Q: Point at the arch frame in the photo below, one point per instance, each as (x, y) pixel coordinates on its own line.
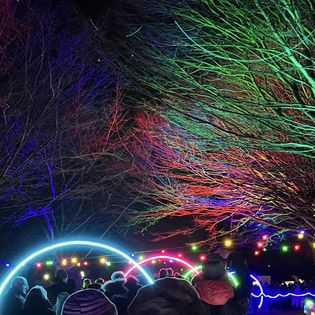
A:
(61, 244)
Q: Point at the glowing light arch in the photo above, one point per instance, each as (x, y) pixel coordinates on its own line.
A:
(46, 249)
(182, 261)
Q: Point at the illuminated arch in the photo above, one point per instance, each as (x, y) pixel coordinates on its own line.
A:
(189, 272)
(7, 279)
(182, 261)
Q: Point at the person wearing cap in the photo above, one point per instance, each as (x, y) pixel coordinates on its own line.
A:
(88, 302)
(213, 284)
(216, 290)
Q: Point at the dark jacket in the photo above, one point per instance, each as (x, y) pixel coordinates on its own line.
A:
(37, 306)
(167, 296)
(133, 288)
(12, 302)
(54, 290)
(115, 288)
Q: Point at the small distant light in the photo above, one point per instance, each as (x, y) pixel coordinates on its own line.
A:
(180, 255)
(313, 245)
(265, 237)
(141, 257)
(285, 248)
(82, 274)
(260, 244)
(85, 263)
(39, 265)
(257, 253)
(102, 260)
(79, 264)
(301, 235)
(264, 249)
(269, 266)
(297, 247)
(228, 243)
(46, 276)
(64, 262)
(129, 262)
(153, 261)
(171, 260)
(49, 263)
(163, 251)
(74, 260)
(108, 263)
(133, 255)
(202, 258)
(194, 248)
(7, 265)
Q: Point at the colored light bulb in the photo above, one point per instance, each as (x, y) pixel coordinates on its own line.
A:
(285, 248)
(297, 247)
(103, 260)
(46, 276)
(194, 248)
(228, 243)
(74, 260)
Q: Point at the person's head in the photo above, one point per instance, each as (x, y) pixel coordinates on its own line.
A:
(118, 276)
(132, 280)
(100, 281)
(37, 296)
(162, 273)
(71, 285)
(62, 274)
(20, 283)
(61, 298)
(170, 272)
(214, 267)
(86, 283)
(88, 302)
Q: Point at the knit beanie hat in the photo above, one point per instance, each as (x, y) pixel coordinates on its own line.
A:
(88, 302)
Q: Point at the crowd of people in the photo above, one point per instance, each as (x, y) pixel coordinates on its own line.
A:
(209, 293)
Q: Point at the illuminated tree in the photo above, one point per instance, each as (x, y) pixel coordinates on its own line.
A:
(238, 192)
(233, 85)
(248, 65)
(60, 119)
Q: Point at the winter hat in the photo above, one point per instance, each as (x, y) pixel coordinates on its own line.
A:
(88, 302)
(214, 267)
